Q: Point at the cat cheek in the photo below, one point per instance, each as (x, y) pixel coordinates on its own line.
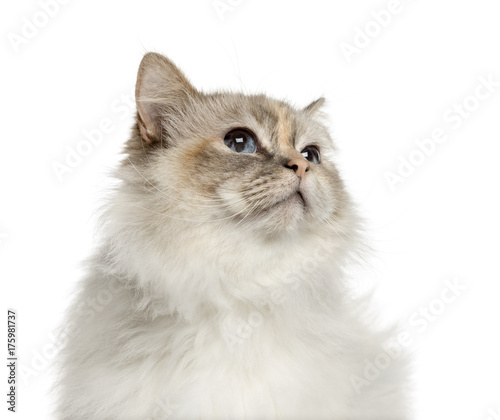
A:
(320, 196)
(232, 199)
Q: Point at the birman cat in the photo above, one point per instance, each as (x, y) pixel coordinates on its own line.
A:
(218, 289)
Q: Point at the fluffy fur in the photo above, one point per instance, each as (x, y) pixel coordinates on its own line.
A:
(218, 290)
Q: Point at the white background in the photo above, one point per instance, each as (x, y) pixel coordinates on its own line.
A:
(441, 223)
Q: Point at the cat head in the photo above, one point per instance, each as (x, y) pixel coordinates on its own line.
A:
(225, 197)
(244, 163)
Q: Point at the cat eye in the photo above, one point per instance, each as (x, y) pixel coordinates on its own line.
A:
(311, 153)
(240, 141)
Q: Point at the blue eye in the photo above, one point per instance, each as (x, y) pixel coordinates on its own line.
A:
(311, 153)
(240, 141)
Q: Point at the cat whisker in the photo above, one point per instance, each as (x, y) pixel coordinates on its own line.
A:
(250, 211)
(194, 220)
(175, 199)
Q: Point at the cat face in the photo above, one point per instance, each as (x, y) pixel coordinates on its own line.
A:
(236, 161)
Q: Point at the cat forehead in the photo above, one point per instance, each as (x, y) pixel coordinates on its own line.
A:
(275, 123)
(278, 120)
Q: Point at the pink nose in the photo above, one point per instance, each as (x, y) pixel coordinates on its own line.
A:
(299, 165)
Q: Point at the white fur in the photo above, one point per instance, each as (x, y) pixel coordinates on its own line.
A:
(224, 304)
(192, 332)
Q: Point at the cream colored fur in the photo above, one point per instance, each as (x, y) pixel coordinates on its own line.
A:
(213, 294)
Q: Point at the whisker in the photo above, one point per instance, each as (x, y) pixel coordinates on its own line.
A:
(173, 198)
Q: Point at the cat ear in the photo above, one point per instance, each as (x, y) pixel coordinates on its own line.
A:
(161, 88)
(314, 106)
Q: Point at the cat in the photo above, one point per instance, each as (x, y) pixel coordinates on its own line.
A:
(218, 290)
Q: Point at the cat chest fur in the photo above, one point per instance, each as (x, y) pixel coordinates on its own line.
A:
(227, 368)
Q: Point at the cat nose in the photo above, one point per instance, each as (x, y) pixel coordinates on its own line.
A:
(299, 165)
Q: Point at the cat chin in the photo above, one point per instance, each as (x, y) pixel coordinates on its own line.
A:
(285, 217)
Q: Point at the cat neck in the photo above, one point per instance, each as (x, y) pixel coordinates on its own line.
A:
(194, 279)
